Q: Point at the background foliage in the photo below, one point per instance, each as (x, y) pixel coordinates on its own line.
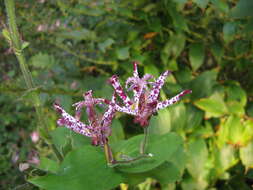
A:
(75, 45)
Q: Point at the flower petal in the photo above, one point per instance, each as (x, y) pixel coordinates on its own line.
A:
(157, 85)
(110, 112)
(114, 80)
(135, 72)
(72, 123)
(171, 101)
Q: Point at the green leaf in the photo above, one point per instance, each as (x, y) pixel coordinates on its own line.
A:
(201, 3)
(6, 35)
(180, 160)
(241, 47)
(229, 31)
(235, 131)
(235, 108)
(126, 12)
(86, 10)
(248, 132)
(202, 85)
(61, 135)
(236, 93)
(161, 146)
(165, 173)
(123, 53)
(67, 147)
(81, 170)
(106, 44)
(221, 5)
(218, 51)
(66, 101)
(236, 99)
(197, 155)
(250, 109)
(197, 55)
(43, 61)
(25, 45)
(178, 19)
(224, 158)
(48, 165)
(78, 35)
(151, 69)
(173, 47)
(183, 75)
(203, 131)
(160, 124)
(246, 155)
(242, 9)
(214, 106)
(178, 117)
(117, 132)
(194, 117)
(172, 65)
(248, 28)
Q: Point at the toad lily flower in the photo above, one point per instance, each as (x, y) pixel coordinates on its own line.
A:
(99, 125)
(145, 101)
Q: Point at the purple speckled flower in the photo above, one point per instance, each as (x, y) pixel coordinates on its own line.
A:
(99, 127)
(145, 101)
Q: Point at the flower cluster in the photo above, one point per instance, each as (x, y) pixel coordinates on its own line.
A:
(142, 106)
(98, 127)
(145, 101)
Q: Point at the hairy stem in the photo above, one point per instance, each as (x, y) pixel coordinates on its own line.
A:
(16, 45)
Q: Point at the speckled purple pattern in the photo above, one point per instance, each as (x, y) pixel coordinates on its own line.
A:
(146, 93)
(99, 127)
(72, 123)
(114, 80)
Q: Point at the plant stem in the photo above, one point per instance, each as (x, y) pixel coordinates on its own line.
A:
(16, 45)
(140, 157)
(112, 162)
(144, 142)
(108, 153)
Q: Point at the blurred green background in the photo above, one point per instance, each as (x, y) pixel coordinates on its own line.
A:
(76, 45)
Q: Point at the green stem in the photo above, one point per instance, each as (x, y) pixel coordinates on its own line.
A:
(119, 162)
(108, 153)
(112, 162)
(16, 45)
(144, 142)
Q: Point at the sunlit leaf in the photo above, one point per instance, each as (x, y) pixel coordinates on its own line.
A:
(197, 155)
(214, 106)
(246, 155)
